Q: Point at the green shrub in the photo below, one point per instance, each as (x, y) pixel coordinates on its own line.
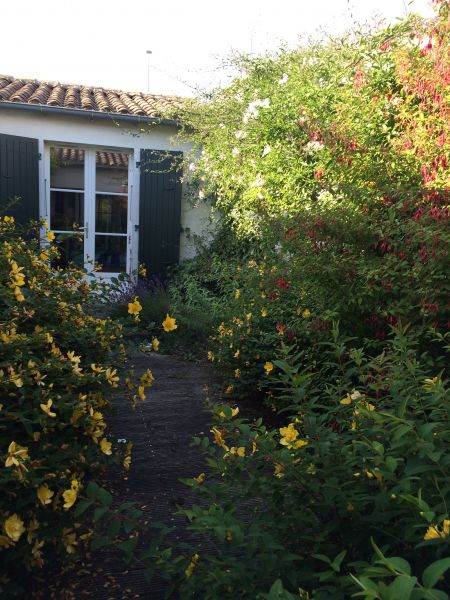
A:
(59, 371)
(351, 496)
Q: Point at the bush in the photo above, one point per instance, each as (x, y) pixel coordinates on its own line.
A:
(349, 497)
(58, 375)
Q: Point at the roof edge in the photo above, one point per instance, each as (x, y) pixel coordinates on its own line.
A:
(91, 115)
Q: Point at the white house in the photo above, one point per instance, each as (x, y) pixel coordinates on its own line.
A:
(103, 162)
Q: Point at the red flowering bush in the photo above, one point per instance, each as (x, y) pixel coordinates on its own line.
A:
(329, 165)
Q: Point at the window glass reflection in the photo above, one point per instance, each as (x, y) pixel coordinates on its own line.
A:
(67, 168)
(71, 248)
(111, 253)
(66, 210)
(111, 172)
(111, 214)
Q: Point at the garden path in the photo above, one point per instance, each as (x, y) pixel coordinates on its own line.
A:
(161, 429)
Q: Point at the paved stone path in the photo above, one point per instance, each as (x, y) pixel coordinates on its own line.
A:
(161, 429)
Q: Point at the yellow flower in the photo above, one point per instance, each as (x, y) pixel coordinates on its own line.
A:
(126, 462)
(16, 455)
(237, 353)
(46, 408)
(429, 384)
(306, 313)
(300, 444)
(311, 469)
(69, 537)
(71, 356)
(218, 438)
(45, 494)
(155, 344)
(50, 236)
(234, 412)
(135, 307)
(141, 392)
(432, 533)
(237, 293)
(229, 535)
(289, 434)
(97, 369)
(14, 527)
(200, 478)
(106, 446)
(8, 219)
(111, 377)
(279, 470)
(194, 560)
(446, 527)
(264, 312)
(147, 378)
(238, 451)
(169, 324)
(346, 400)
(237, 373)
(210, 356)
(18, 294)
(229, 390)
(268, 367)
(70, 497)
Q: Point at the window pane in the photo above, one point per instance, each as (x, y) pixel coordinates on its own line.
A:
(111, 214)
(111, 253)
(111, 172)
(66, 210)
(67, 168)
(71, 248)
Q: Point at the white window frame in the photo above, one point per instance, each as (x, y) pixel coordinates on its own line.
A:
(90, 200)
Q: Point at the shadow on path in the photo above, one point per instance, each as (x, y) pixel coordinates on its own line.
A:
(161, 429)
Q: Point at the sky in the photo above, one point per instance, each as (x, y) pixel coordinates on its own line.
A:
(105, 43)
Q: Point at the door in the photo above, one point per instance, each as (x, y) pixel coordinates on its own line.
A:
(89, 208)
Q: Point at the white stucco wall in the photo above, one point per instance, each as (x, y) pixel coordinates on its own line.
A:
(58, 128)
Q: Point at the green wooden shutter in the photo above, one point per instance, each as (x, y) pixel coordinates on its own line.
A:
(19, 177)
(159, 210)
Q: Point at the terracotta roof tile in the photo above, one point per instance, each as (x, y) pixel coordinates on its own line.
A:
(62, 95)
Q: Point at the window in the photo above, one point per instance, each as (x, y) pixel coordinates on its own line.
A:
(89, 207)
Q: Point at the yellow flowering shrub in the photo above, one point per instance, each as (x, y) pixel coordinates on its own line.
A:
(59, 370)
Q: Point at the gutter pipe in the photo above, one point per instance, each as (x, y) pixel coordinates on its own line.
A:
(91, 115)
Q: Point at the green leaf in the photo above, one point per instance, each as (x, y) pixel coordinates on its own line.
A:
(100, 512)
(402, 587)
(434, 571)
(100, 542)
(128, 546)
(81, 507)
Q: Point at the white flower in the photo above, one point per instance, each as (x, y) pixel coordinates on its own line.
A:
(314, 146)
(252, 110)
(259, 181)
(240, 134)
(278, 247)
(192, 167)
(284, 79)
(266, 150)
(235, 152)
(201, 195)
(287, 257)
